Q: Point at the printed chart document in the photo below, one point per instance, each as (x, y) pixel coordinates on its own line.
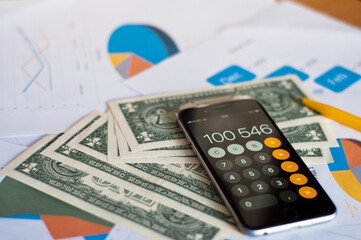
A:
(60, 60)
(327, 62)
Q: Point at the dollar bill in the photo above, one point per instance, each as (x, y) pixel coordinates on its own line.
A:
(113, 150)
(128, 175)
(315, 155)
(100, 141)
(150, 122)
(159, 155)
(94, 139)
(310, 135)
(139, 210)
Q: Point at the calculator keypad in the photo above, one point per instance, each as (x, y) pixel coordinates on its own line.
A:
(261, 174)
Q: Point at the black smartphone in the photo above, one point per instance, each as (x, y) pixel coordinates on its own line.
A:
(262, 180)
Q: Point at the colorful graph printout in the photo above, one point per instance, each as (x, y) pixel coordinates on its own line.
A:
(346, 168)
(135, 48)
(45, 217)
(61, 227)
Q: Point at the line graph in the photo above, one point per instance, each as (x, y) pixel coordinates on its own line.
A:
(36, 56)
(49, 74)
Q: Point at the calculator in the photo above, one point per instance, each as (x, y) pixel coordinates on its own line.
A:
(264, 183)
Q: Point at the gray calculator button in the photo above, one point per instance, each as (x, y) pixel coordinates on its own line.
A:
(251, 173)
(232, 177)
(288, 196)
(254, 145)
(243, 161)
(259, 186)
(257, 202)
(224, 164)
(235, 149)
(270, 170)
(279, 182)
(240, 190)
(262, 157)
(216, 152)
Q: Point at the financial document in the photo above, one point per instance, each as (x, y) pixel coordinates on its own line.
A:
(60, 60)
(325, 59)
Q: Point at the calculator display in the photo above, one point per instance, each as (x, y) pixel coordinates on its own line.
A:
(263, 181)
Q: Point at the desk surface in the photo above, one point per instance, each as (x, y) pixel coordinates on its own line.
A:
(348, 11)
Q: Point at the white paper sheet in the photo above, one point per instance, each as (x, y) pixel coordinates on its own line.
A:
(25, 141)
(8, 152)
(260, 51)
(26, 229)
(55, 55)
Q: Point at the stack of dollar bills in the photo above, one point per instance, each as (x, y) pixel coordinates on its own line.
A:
(133, 166)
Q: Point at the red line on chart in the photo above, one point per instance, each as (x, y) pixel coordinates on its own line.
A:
(35, 56)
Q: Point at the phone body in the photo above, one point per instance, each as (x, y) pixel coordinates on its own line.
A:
(262, 180)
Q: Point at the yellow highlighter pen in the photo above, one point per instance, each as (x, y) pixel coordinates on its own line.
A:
(333, 113)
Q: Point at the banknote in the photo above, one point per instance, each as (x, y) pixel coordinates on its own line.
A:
(315, 155)
(159, 155)
(113, 150)
(127, 175)
(310, 135)
(100, 141)
(93, 139)
(149, 122)
(139, 210)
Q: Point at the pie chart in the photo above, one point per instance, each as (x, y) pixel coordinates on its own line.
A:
(134, 48)
(346, 168)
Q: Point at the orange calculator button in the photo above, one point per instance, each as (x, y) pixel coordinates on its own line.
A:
(307, 192)
(272, 142)
(298, 179)
(289, 166)
(280, 154)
